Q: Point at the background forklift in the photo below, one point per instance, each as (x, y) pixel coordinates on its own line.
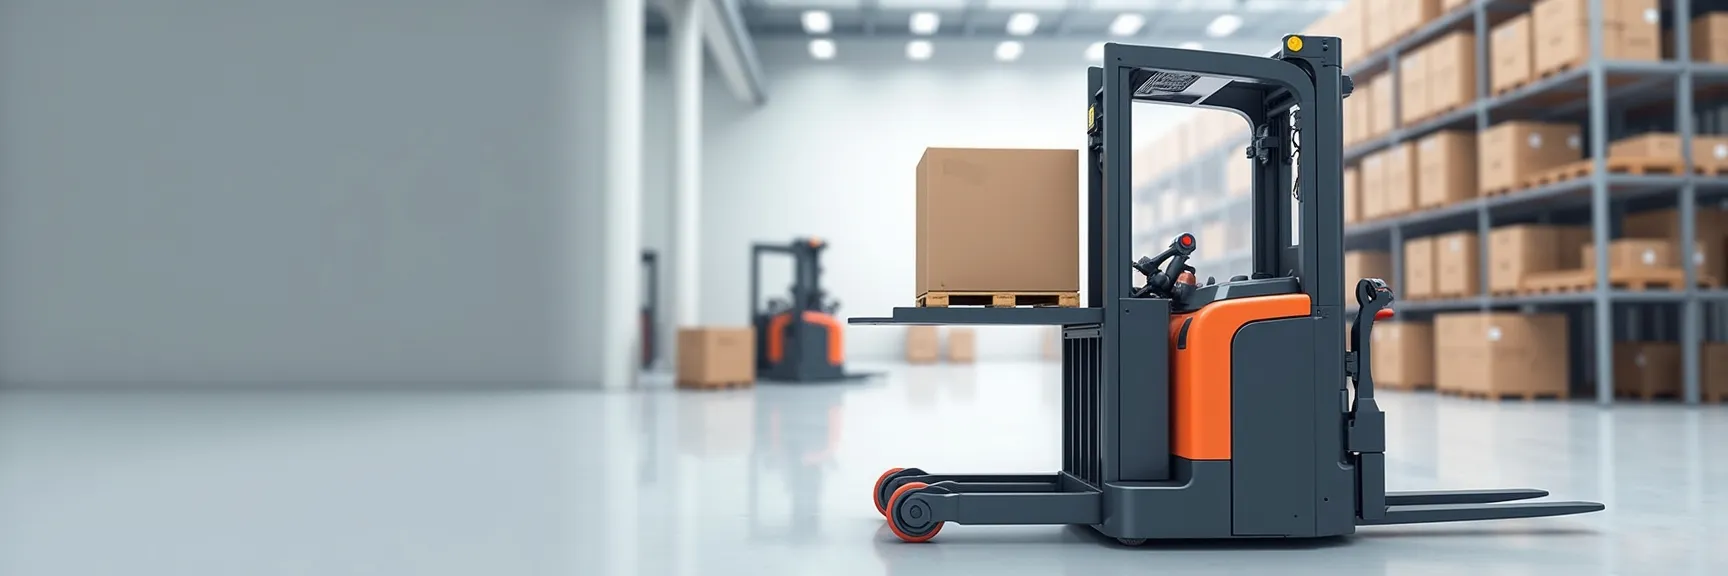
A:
(797, 339)
(1206, 410)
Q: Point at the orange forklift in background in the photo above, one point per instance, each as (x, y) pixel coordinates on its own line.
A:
(797, 340)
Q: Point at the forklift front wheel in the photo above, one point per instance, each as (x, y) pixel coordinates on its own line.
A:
(911, 520)
(885, 486)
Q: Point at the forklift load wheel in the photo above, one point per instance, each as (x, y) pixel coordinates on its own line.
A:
(910, 519)
(884, 490)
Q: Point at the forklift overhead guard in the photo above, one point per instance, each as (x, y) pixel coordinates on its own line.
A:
(1209, 411)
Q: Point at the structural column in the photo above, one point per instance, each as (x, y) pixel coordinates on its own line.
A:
(686, 63)
(620, 338)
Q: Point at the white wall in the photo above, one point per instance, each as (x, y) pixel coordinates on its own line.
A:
(833, 153)
(319, 191)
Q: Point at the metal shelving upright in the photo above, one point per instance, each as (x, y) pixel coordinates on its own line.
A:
(1608, 193)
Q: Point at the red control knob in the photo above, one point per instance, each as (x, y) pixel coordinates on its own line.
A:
(1383, 314)
(1187, 240)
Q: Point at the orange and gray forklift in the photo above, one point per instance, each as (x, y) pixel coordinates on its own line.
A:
(797, 339)
(1208, 410)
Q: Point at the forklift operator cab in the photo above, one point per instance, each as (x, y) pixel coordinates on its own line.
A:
(797, 339)
(1210, 410)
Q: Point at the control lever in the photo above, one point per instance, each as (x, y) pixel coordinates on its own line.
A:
(1367, 433)
(1165, 281)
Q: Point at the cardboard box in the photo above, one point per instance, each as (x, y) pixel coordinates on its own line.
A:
(1509, 153)
(1381, 119)
(1633, 254)
(1455, 265)
(1359, 264)
(962, 345)
(1710, 150)
(1418, 269)
(1413, 87)
(1657, 146)
(1403, 354)
(1647, 369)
(1710, 231)
(1518, 251)
(1400, 179)
(1502, 353)
(1450, 64)
(1358, 114)
(923, 345)
(1632, 30)
(1446, 6)
(1409, 15)
(1348, 26)
(1374, 33)
(1710, 38)
(1713, 371)
(1446, 168)
(1373, 186)
(998, 221)
(1352, 195)
(1510, 46)
(716, 356)
(1572, 239)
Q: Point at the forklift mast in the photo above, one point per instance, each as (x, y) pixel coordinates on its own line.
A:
(807, 293)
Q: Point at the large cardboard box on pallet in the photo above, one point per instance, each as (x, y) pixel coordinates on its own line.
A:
(1419, 268)
(1359, 114)
(1348, 25)
(1407, 16)
(1381, 120)
(1413, 86)
(1375, 33)
(1352, 195)
(1632, 30)
(962, 345)
(1450, 64)
(1359, 264)
(1509, 153)
(998, 221)
(1446, 168)
(1652, 146)
(1510, 46)
(1404, 354)
(1710, 151)
(1518, 251)
(1500, 353)
(1710, 38)
(1635, 254)
(1373, 186)
(1571, 239)
(1713, 371)
(1647, 369)
(712, 357)
(1400, 178)
(1447, 6)
(923, 345)
(1456, 270)
(1710, 230)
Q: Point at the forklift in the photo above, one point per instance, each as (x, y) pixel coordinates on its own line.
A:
(797, 339)
(1208, 410)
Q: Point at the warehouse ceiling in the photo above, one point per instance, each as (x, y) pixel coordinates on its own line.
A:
(1165, 22)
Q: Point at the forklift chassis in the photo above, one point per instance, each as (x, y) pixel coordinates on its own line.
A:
(1147, 453)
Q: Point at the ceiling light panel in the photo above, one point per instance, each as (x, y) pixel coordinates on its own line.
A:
(1224, 25)
(1128, 5)
(936, 5)
(813, 4)
(924, 23)
(1095, 52)
(1023, 24)
(1028, 5)
(1127, 24)
(817, 22)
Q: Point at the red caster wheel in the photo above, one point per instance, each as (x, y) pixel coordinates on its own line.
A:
(911, 520)
(885, 487)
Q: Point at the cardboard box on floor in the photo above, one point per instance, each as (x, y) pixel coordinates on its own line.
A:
(1510, 45)
(1501, 353)
(716, 356)
(962, 345)
(1450, 64)
(1631, 31)
(992, 220)
(1647, 369)
(1455, 265)
(1359, 264)
(1710, 229)
(1404, 354)
(923, 345)
(1518, 251)
(1418, 269)
(1510, 153)
(1446, 168)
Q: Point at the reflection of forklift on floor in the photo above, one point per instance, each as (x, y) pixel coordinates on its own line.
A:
(1204, 409)
(797, 340)
(798, 433)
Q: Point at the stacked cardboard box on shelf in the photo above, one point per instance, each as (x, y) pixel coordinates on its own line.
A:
(1352, 195)
(1381, 121)
(1511, 153)
(1710, 229)
(1456, 269)
(1419, 269)
(1647, 369)
(1517, 252)
(1446, 171)
(1509, 50)
(1499, 354)
(1398, 179)
(1710, 37)
(1713, 371)
(1373, 175)
(1359, 264)
(1406, 16)
(1413, 86)
(1632, 30)
(1403, 355)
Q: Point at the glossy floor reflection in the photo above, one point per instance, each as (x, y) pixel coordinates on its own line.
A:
(767, 481)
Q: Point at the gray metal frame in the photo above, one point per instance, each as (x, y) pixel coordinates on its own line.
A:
(1606, 195)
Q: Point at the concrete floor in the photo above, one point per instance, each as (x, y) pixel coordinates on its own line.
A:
(767, 481)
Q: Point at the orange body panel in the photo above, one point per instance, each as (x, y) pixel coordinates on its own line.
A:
(1200, 374)
(777, 336)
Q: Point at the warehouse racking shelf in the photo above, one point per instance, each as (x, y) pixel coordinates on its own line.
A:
(1584, 94)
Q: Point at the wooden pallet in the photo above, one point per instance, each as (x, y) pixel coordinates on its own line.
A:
(1713, 169)
(1500, 190)
(1646, 395)
(714, 385)
(1636, 279)
(1582, 168)
(999, 299)
(1402, 387)
(1576, 61)
(1514, 87)
(1509, 395)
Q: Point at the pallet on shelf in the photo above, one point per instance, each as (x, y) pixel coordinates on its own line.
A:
(1005, 299)
(1633, 166)
(1640, 279)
